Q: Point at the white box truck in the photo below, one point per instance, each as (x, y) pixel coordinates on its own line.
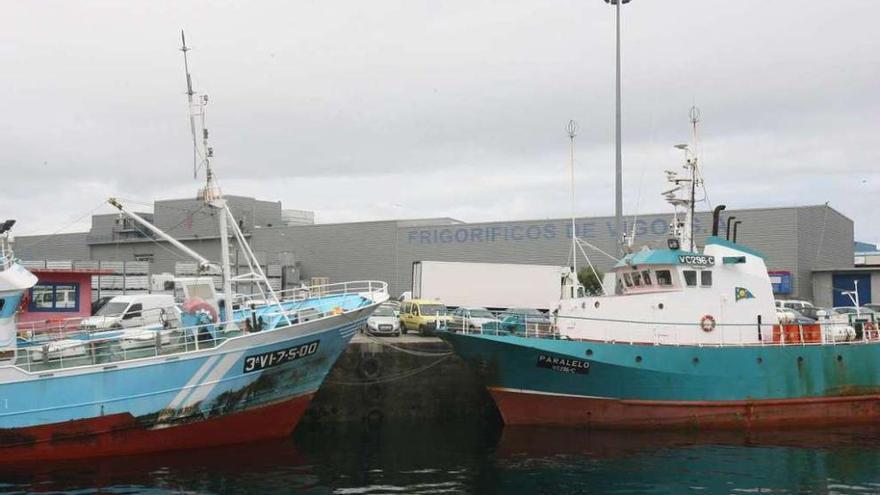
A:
(488, 285)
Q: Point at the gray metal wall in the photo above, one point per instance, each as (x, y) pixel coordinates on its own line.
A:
(53, 247)
(797, 239)
(821, 231)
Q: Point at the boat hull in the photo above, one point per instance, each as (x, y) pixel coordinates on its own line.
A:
(605, 385)
(252, 387)
(123, 434)
(535, 408)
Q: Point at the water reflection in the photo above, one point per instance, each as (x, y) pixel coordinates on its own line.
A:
(571, 461)
(479, 458)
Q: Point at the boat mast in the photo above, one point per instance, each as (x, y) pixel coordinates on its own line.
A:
(572, 129)
(684, 200)
(694, 115)
(211, 194)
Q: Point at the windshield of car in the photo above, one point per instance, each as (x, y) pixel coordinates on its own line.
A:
(480, 313)
(432, 309)
(384, 311)
(112, 309)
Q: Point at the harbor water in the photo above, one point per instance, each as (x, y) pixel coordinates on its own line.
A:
(476, 457)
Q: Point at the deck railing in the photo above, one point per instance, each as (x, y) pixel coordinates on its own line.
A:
(862, 328)
(46, 346)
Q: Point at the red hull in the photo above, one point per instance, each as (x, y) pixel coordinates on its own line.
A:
(520, 408)
(120, 434)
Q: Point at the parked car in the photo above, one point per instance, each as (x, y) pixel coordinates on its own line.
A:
(797, 304)
(131, 311)
(99, 303)
(471, 319)
(394, 305)
(813, 311)
(792, 316)
(423, 315)
(383, 321)
(851, 310)
(529, 315)
(522, 321)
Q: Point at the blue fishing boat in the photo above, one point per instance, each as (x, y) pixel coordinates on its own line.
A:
(681, 337)
(220, 368)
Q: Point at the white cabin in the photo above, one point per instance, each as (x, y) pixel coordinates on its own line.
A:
(671, 296)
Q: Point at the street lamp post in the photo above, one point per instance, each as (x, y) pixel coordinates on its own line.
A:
(618, 162)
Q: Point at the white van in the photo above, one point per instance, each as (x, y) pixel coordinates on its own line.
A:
(132, 311)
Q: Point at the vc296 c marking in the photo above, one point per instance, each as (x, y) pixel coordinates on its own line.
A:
(563, 365)
(265, 360)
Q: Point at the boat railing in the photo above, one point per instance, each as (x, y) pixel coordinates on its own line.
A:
(66, 344)
(862, 328)
(506, 323)
(370, 288)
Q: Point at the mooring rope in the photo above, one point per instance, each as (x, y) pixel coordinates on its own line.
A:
(404, 349)
(390, 378)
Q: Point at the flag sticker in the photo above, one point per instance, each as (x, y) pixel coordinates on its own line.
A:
(743, 293)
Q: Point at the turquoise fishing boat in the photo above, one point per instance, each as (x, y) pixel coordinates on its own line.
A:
(220, 368)
(682, 336)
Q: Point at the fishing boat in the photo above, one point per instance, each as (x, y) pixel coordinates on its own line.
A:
(683, 336)
(221, 368)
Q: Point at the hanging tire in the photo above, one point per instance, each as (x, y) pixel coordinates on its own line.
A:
(369, 368)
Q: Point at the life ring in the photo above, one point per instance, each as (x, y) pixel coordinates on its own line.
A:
(707, 323)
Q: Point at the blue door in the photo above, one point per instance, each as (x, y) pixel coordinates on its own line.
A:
(843, 282)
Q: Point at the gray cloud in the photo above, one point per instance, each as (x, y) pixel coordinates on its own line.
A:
(364, 110)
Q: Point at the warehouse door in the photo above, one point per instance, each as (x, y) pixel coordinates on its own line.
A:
(843, 282)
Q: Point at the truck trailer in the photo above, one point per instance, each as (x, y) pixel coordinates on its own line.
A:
(495, 286)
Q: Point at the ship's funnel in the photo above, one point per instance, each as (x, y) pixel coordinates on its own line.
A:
(716, 217)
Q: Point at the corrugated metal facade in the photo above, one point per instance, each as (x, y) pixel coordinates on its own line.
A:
(796, 239)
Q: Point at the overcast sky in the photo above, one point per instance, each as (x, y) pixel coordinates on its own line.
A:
(365, 110)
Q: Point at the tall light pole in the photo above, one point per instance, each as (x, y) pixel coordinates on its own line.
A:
(618, 161)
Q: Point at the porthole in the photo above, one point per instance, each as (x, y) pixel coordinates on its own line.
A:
(839, 358)
(800, 359)
(638, 359)
(596, 305)
(583, 305)
(696, 360)
(589, 352)
(660, 306)
(760, 360)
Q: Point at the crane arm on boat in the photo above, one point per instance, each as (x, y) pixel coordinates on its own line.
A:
(204, 264)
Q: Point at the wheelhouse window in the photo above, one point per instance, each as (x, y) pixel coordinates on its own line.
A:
(664, 278)
(627, 280)
(706, 278)
(646, 277)
(690, 278)
(637, 279)
(54, 297)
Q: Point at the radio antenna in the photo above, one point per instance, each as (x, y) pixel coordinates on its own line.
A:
(572, 129)
(189, 96)
(198, 109)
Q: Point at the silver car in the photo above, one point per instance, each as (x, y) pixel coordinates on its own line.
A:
(384, 321)
(471, 319)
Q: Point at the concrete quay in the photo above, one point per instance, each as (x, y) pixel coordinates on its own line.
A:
(407, 378)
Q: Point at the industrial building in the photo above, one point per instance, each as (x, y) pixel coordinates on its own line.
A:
(800, 243)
